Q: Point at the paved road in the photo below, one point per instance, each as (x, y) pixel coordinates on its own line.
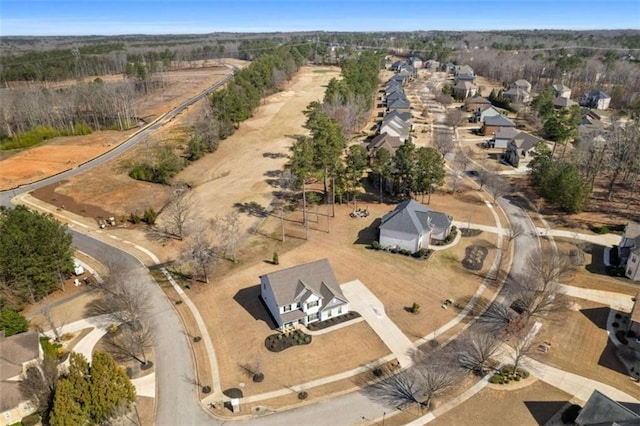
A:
(174, 361)
(175, 368)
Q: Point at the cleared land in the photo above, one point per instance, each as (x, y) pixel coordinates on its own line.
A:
(65, 153)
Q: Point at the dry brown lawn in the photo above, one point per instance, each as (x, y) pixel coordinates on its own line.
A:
(580, 345)
(531, 405)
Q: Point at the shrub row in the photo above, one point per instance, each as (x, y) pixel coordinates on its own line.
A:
(41, 133)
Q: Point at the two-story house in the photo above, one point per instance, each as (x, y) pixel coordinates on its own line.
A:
(303, 294)
(626, 255)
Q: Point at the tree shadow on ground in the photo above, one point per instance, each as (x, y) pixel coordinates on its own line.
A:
(598, 316)
(369, 234)
(274, 155)
(251, 208)
(249, 298)
(469, 197)
(542, 411)
(610, 360)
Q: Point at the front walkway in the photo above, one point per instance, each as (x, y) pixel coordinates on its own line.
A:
(371, 308)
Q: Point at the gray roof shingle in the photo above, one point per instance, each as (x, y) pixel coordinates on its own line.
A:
(411, 217)
(499, 120)
(298, 282)
(602, 410)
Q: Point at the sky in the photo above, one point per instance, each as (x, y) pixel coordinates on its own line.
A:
(111, 17)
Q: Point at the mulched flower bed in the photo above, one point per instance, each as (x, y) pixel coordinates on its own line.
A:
(279, 342)
(470, 232)
(321, 325)
(474, 257)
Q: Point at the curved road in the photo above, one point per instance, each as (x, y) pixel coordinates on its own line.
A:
(176, 393)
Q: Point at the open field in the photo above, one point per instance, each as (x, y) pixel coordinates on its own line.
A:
(531, 405)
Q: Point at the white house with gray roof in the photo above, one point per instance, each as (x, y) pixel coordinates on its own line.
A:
(303, 294)
(412, 225)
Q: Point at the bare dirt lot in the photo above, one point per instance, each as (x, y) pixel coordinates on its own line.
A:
(65, 153)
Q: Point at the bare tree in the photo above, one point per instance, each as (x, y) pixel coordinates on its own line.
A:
(437, 379)
(180, 212)
(131, 341)
(478, 350)
(444, 99)
(54, 323)
(399, 389)
(483, 176)
(201, 252)
(455, 117)
(443, 142)
(228, 230)
(463, 159)
(39, 383)
(521, 345)
(497, 316)
(498, 186)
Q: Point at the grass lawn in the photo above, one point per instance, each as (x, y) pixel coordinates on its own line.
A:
(530, 405)
(580, 345)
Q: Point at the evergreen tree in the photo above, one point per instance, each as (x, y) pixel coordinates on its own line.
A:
(11, 322)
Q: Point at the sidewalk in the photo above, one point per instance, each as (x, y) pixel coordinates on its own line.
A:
(617, 301)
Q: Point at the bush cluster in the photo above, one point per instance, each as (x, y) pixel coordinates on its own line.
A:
(41, 133)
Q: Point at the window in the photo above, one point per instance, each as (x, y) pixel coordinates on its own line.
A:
(312, 317)
(339, 310)
(633, 259)
(286, 308)
(313, 304)
(329, 313)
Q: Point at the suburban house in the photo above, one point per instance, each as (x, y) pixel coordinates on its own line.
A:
(402, 79)
(516, 95)
(303, 294)
(464, 89)
(386, 141)
(626, 255)
(394, 117)
(600, 410)
(464, 77)
(463, 69)
(494, 123)
(595, 99)
(448, 67)
(393, 96)
(519, 147)
(396, 127)
(401, 104)
(17, 353)
(412, 225)
(432, 64)
(404, 116)
(561, 91)
(415, 62)
(476, 103)
(489, 111)
(503, 137)
(522, 85)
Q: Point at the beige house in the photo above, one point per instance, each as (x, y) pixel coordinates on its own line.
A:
(17, 353)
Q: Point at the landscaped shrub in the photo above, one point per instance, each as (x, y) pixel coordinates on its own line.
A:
(415, 308)
(615, 325)
(302, 395)
(600, 229)
(631, 334)
(496, 379)
(276, 258)
(376, 245)
(618, 316)
(570, 415)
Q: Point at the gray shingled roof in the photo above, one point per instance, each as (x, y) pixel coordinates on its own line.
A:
(15, 351)
(598, 94)
(386, 141)
(400, 103)
(499, 120)
(298, 282)
(563, 102)
(525, 141)
(602, 410)
(411, 217)
(506, 133)
(404, 116)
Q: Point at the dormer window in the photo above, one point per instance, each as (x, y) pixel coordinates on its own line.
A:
(313, 304)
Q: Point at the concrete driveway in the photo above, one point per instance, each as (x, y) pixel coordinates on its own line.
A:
(371, 308)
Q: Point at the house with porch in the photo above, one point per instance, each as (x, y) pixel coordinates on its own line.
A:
(464, 89)
(17, 353)
(303, 294)
(412, 225)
